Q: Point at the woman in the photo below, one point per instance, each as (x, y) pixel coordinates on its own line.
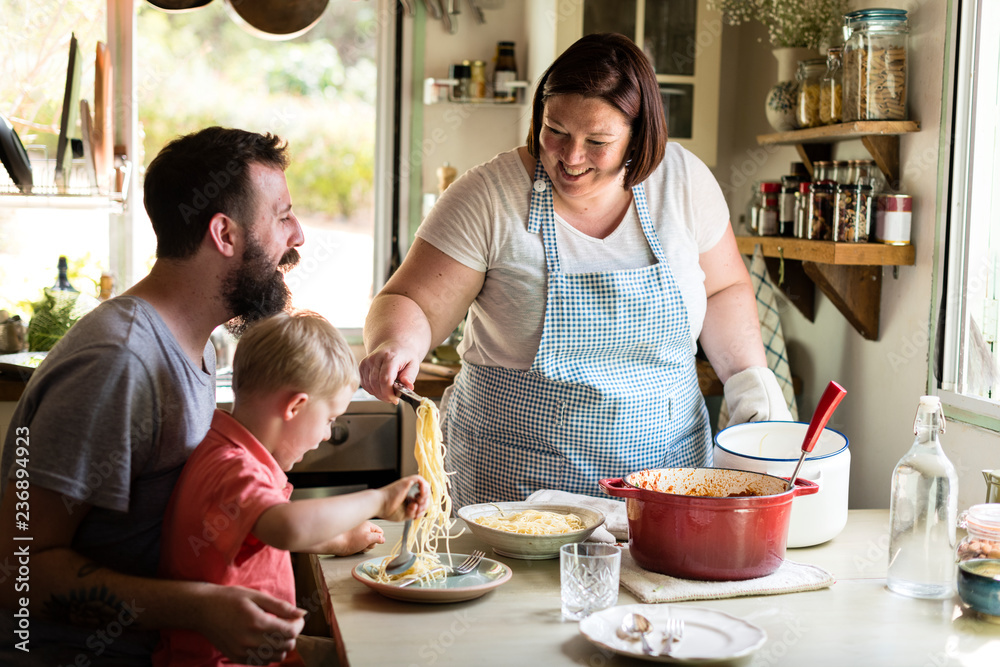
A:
(589, 262)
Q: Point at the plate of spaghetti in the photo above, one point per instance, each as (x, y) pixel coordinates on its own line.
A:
(532, 531)
(433, 586)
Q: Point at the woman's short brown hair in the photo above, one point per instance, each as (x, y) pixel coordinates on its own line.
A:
(610, 67)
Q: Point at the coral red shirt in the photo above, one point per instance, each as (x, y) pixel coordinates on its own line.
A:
(226, 485)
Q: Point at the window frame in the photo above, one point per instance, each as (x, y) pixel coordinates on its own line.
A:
(958, 237)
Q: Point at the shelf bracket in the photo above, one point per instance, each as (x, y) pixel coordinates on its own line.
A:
(884, 149)
(855, 290)
(811, 153)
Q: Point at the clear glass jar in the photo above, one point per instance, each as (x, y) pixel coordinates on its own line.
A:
(852, 221)
(840, 171)
(477, 81)
(821, 203)
(462, 76)
(822, 170)
(807, 106)
(767, 215)
(866, 172)
(786, 205)
(923, 512)
(982, 528)
(874, 65)
(831, 92)
(802, 211)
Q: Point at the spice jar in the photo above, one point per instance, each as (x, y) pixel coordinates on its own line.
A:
(830, 88)
(874, 65)
(802, 211)
(807, 107)
(786, 205)
(982, 527)
(477, 81)
(822, 170)
(892, 219)
(821, 202)
(853, 216)
(462, 76)
(767, 214)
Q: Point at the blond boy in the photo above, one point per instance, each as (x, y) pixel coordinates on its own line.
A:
(230, 520)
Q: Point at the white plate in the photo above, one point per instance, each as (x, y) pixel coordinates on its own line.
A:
(458, 588)
(709, 636)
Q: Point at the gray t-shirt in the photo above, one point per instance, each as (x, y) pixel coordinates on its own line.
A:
(112, 415)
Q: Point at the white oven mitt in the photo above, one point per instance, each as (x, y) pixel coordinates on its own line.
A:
(753, 395)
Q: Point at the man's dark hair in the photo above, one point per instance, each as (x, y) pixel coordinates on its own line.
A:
(200, 174)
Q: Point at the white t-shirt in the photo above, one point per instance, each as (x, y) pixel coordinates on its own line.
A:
(481, 221)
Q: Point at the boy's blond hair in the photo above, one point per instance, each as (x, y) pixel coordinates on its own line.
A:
(298, 350)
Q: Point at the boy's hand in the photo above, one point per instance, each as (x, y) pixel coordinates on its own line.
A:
(393, 506)
(358, 540)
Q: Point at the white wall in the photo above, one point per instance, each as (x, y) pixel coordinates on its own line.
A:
(884, 378)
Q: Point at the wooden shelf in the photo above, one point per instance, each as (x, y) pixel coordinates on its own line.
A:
(879, 137)
(849, 274)
(829, 252)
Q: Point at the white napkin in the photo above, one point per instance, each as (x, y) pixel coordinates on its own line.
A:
(615, 528)
(648, 586)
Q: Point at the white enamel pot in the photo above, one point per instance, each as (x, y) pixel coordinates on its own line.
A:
(774, 448)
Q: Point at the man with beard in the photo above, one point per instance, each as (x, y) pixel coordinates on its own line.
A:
(107, 421)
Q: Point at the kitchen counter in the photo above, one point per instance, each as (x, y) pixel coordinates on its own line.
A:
(856, 622)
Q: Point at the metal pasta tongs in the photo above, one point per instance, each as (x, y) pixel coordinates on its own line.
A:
(408, 395)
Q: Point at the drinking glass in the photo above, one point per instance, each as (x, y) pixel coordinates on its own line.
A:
(589, 576)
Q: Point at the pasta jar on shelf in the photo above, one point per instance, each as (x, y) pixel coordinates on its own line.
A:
(831, 88)
(875, 65)
(807, 107)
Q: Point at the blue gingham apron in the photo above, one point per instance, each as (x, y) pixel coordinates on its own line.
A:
(613, 387)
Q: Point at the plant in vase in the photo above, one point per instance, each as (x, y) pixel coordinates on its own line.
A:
(796, 29)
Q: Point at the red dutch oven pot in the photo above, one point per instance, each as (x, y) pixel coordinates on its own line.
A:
(693, 524)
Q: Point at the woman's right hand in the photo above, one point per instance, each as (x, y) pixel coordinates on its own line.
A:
(386, 364)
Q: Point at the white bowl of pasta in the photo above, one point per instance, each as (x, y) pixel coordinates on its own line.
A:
(532, 531)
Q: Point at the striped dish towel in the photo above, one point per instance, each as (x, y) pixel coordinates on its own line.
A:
(770, 332)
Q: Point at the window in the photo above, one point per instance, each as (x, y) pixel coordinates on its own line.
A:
(321, 91)
(970, 355)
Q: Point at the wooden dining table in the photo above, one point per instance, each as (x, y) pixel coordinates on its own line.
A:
(856, 622)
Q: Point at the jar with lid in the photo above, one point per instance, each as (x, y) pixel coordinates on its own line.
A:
(504, 73)
(477, 81)
(821, 203)
(767, 215)
(786, 205)
(852, 220)
(875, 65)
(822, 170)
(831, 88)
(802, 211)
(840, 171)
(462, 76)
(982, 532)
(807, 106)
(923, 512)
(866, 172)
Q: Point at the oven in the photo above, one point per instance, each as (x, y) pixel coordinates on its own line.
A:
(364, 450)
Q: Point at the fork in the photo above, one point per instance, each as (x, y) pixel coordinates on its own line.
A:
(465, 567)
(672, 634)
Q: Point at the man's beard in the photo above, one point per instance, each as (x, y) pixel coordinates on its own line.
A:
(256, 289)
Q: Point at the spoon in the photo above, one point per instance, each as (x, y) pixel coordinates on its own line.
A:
(636, 624)
(404, 561)
(831, 398)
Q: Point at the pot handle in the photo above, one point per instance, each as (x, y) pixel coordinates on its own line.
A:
(804, 487)
(615, 486)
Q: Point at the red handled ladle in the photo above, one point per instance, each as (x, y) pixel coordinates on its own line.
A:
(831, 398)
